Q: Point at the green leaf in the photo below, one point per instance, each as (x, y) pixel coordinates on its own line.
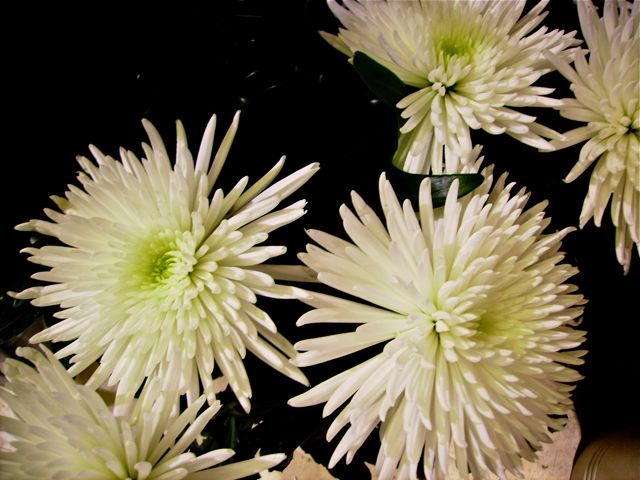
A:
(407, 185)
(380, 80)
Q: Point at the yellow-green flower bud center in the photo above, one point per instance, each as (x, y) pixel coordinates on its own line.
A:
(164, 266)
(450, 47)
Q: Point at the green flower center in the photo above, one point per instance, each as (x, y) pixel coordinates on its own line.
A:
(450, 47)
(164, 273)
(167, 260)
(165, 266)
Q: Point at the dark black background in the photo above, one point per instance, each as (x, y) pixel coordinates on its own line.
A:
(79, 75)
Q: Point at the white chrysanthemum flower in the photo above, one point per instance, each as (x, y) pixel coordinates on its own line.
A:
(63, 430)
(472, 63)
(155, 270)
(472, 304)
(607, 98)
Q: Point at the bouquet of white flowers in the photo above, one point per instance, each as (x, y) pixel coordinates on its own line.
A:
(422, 264)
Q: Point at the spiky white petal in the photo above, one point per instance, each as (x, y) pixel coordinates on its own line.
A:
(473, 64)
(155, 268)
(63, 430)
(471, 304)
(607, 99)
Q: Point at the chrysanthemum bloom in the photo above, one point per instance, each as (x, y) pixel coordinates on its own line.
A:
(59, 429)
(471, 62)
(471, 303)
(607, 98)
(155, 270)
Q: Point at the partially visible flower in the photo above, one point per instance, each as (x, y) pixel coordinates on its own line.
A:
(471, 62)
(155, 269)
(607, 98)
(63, 430)
(471, 304)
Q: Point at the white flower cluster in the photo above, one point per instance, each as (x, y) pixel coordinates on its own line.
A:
(471, 64)
(156, 272)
